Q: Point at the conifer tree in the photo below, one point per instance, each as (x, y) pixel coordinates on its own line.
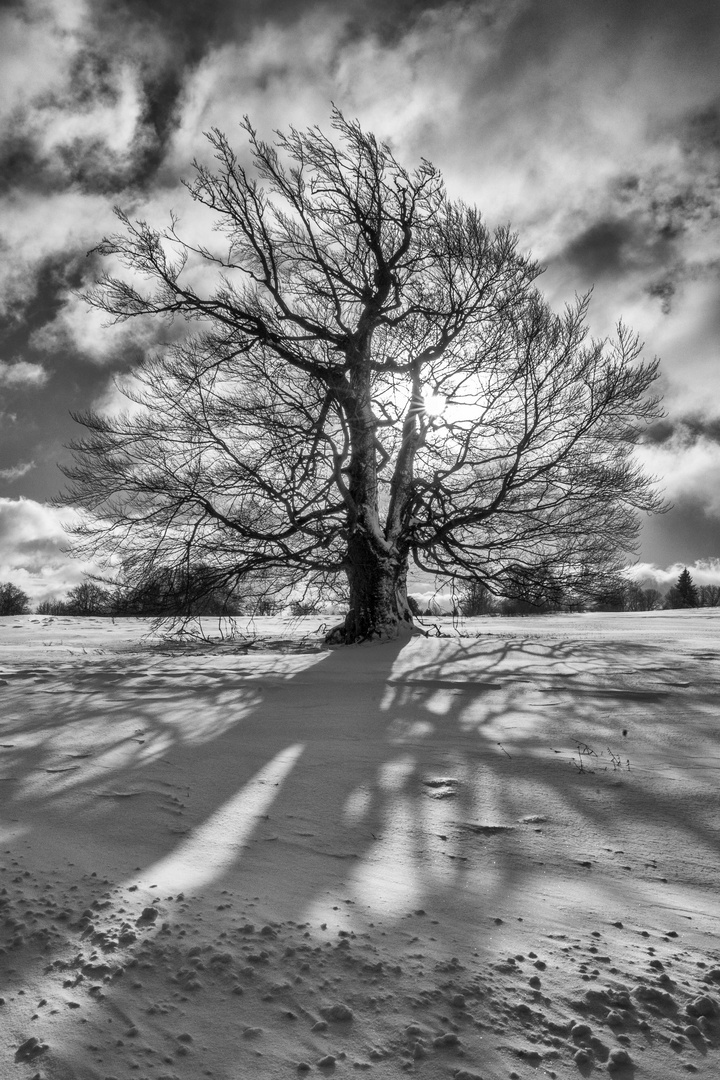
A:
(687, 590)
(684, 593)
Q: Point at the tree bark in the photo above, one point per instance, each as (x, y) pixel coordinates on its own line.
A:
(378, 607)
(376, 567)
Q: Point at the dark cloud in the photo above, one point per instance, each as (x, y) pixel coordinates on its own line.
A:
(615, 31)
(702, 131)
(684, 431)
(657, 225)
(55, 275)
(40, 308)
(83, 163)
(192, 28)
(686, 532)
(43, 426)
(659, 434)
(603, 248)
(686, 206)
(614, 246)
(20, 165)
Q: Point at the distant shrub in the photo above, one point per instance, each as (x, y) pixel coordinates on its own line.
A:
(299, 608)
(266, 605)
(52, 607)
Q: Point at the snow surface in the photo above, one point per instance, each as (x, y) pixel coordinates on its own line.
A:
(492, 854)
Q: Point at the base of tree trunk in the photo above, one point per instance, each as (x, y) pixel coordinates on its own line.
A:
(347, 633)
(386, 620)
(378, 603)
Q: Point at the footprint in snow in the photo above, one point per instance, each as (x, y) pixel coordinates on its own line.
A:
(441, 787)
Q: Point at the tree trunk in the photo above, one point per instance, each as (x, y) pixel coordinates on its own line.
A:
(376, 569)
(378, 594)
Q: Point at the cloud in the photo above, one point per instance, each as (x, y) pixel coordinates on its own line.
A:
(111, 400)
(702, 571)
(690, 470)
(88, 332)
(74, 130)
(33, 544)
(46, 234)
(41, 31)
(687, 342)
(442, 599)
(74, 110)
(93, 89)
(15, 472)
(683, 431)
(593, 129)
(578, 145)
(523, 107)
(22, 373)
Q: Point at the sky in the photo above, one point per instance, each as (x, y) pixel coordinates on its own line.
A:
(593, 128)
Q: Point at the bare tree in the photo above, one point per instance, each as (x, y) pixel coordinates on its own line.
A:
(709, 595)
(476, 599)
(639, 599)
(367, 378)
(13, 601)
(653, 599)
(88, 598)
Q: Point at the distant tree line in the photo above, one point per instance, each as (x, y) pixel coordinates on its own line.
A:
(172, 593)
(166, 593)
(620, 595)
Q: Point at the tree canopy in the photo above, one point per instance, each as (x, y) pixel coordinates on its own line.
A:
(361, 376)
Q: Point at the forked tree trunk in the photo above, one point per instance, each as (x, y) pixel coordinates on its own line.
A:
(378, 595)
(375, 568)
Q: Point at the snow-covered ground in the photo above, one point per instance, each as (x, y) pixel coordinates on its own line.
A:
(493, 854)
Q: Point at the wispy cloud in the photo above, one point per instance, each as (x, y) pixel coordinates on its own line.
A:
(15, 472)
(88, 333)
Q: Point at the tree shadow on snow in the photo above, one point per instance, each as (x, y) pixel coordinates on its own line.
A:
(434, 775)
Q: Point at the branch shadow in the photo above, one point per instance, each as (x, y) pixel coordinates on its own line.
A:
(367, 784)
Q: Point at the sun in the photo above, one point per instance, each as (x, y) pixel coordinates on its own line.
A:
(434, 404)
